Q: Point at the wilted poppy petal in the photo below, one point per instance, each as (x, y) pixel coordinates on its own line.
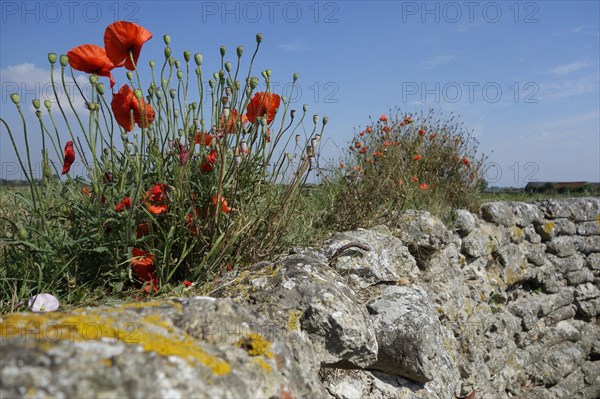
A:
(69, 157)
(122, 38)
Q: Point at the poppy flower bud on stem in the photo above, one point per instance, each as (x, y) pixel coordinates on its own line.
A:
(152, 64)
(325, 120)
(293, 113)
(100, 88)
(187, 55)
(268, 72)
(36, 103)
(179, 75)
(264, 74)
(138, 93)
(315, 119)
(244, 147)
(173, 93)
(198, 71)
(211, 83)
(296, 76)
(221, 74)
(167, 52)
(228, 66)
(176, 113)
(253, 82)
(177, 64)
(15, 98)
(52, 58)
(223, 50)
(237, 84)
(129, 75)
(194, 105)
(48, 104)
(305, 107)
(180, 133)
(259, 38)
(38, 113)
(198, 59)
(167, 39)
(240, 51)
(64, 60)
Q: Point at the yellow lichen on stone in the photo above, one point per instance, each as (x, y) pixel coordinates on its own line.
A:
(517, 233)
(256, 345)
(92, 327)
(262, 364)
(293, 322)
(548, 227)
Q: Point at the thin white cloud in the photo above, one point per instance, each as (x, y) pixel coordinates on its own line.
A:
(31, 82)
(297, 46)
(436, 61)
(560, 89)
(565, 69)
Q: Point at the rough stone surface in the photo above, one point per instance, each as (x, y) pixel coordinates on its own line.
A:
(505, 303)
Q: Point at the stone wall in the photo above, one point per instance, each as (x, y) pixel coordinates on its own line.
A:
(503, 304)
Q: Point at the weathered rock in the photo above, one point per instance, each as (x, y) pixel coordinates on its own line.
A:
(419, 230)
(531, 235)
(526, 214)
(499, 213)
(408, 334)
(588, 228)
(464, 223)
(563, 246)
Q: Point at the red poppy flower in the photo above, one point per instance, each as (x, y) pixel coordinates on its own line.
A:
(342, 165)
(187, 283)
(224, 205)
(358, 144)
(408, 120)
(421, 132)
(142, 230)
(414, 179)
(432, 136)
(369, 130)
(90, 58)
(151, 285)
(417, 157)
(125, 203)
(86, 191)
(69, 157)
(124, 102)
(387, 143)
(263, 104)
(211, 159)
(156, 198)
(142, 264)
(362, 133)
(466, 162)
(423, 186)
(363, 150)
(123, 41)
(207, 138)
(378, 154)
(383, 118)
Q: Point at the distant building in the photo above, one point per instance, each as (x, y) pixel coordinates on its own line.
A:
(572, 186)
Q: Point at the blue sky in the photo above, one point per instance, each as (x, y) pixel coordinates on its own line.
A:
(523, 75)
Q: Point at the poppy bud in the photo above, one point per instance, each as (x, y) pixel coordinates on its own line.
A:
(228, 66)
(296, 76)
(244, 147)
(138, 93)
(176, 113)
(129, 75)
(159, 94)
(15, 98)
(124, 137)
(262, 121)
(129, 147)
(52, 58)
(187, 55)
(173, 93)
(293, 113)
(238, 159)
(198, 71)
(48, 104)
(226, 113)
(221, 74)
(38, 113)
(284, 99)
(196, 122)
(237, 84)
(177, 64)
(253, 82)
(228, 91)
(268, 71)
(64, 60)
(100, 88)
(198, 59)
(179, 75)
(305, 107)
(315, 119)
(152, 64)
(259, 38)
(325, 120)
(240, 51)
(211, 83)
(194, 105)
(171, 61)
(180, 133)
(36, 103)
(167, 39)
(106, 151)
(264, 74)
(167, 52)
